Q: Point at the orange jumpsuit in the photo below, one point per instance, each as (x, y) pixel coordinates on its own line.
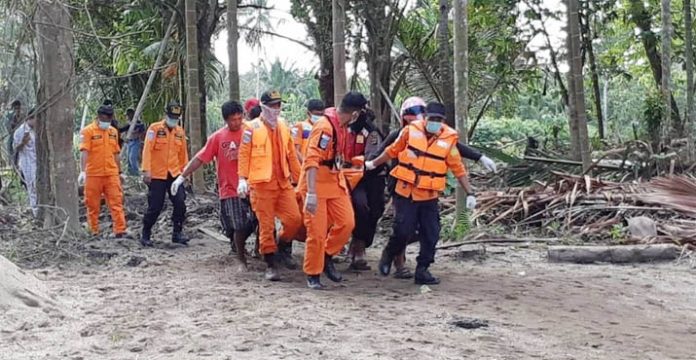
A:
(329, 229)
(268, 160)
(102, 170)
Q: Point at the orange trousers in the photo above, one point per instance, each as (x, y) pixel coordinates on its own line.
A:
(269, 205)
(327, 231)
(110, 187)
(301, 235)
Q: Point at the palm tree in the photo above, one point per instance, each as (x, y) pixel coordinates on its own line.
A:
(193, 118)
(577, 117)
(666, 71)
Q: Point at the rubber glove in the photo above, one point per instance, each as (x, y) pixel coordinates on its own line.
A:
(488, 163)
(175, 185)
(242, 188)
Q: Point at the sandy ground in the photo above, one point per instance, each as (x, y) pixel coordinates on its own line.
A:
(189, 303)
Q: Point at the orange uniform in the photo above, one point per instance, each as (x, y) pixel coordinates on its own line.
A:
(329, 229)
(421, 172)
(164, 151)
(300, 134)
(268, 160)
(102, 176)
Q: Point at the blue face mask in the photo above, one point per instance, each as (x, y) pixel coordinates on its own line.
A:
(315, 118)
(104, 124)
(433, 127)
(172, 122)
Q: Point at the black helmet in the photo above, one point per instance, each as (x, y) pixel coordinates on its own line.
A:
(174, 108)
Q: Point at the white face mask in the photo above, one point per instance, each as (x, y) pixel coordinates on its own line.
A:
(172, 122)
(104, 124)
(270, 115)
(314, 118)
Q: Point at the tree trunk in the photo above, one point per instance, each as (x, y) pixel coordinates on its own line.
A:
(689, 52)
(446, 77)
(587, 39)
(232, 38)
(339, 49)
(578, 117)
(151, 79)
(193, 92)
(379, 21)
(56, 113)
(666, 127)
(461, 81)
(643, 20)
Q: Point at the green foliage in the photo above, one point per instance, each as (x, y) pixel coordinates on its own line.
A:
(652, 117)
(462, 224)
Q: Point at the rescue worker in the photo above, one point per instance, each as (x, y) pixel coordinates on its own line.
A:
(363, 139)
(223, 147)
(134, 142)
(268, 168)
(24, 145)
(412, 109)
(164, 158)
(425, 151)
(328, 213)
(252, 109)
(99, 161)
(301, 130)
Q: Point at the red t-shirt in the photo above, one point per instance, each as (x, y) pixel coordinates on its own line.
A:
(223, 147)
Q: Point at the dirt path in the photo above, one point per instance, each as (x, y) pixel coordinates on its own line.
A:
(188, 303)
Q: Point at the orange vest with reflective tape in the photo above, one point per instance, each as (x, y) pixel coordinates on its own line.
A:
(301, 132)
(261, 154)
(422, 163)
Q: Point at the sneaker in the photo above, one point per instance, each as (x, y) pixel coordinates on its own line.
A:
(180, 238)
(314, 282)
(330, 270)
(424, 277)
(272, 274)
(145, 240)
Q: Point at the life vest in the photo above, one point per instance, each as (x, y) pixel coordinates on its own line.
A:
(422, 163)
(261, 164)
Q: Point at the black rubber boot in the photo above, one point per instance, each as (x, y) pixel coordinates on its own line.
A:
(314, 282)
(285, 255)
(145, 239)
(424, 277)
(271, 271)
(330, 270)
(180, 238)
(385, 263)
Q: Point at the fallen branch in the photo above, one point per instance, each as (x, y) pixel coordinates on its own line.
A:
(501, 240)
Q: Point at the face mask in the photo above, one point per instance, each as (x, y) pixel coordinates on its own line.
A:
(270, 115)
(104, 124)
(172, 122)
(433, 127)
(314, 118)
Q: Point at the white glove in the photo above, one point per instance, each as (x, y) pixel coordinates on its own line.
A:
(488, 163)
(311, 203)
(81, 178)
(242, 188)
(175, 185)
(369, 165)
(123, 177)
(471, 202)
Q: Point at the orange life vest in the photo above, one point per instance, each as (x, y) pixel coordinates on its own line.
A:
(423, 163)
(261, 163)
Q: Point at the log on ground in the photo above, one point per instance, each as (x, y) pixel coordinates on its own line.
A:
(614, 254)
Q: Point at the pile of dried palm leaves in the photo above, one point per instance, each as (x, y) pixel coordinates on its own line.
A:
(597, 209)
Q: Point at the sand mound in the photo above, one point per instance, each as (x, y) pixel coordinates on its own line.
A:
(24, 299)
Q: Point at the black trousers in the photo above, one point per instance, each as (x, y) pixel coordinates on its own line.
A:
(410, 217)
(158, 189)
(368, 205)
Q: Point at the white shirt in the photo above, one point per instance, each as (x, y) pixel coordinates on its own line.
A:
(27, 155)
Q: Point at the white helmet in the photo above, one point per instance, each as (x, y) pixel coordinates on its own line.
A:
(413, 101)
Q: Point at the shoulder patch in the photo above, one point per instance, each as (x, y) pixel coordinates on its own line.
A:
(246, 136)
(442, 143)
(294, 132)
(151, 134)
(324, 141)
